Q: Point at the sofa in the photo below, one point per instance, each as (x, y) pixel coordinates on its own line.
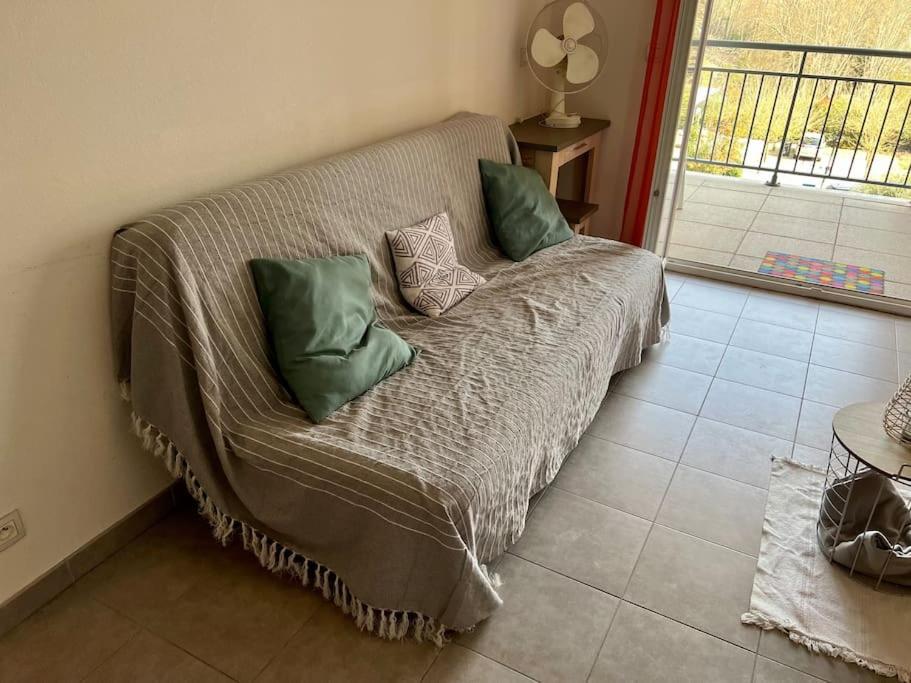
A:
(395, 506)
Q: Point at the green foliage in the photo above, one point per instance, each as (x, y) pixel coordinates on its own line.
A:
(738, 107)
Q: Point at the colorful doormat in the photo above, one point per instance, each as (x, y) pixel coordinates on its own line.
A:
(818, 271)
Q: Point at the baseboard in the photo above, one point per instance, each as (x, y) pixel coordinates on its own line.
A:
(56, 580)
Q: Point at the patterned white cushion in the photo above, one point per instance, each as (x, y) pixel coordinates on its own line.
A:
(430, 277)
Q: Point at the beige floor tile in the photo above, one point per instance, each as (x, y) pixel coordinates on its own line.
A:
(148, 658)
(748, 263)
(897, 268)
(898, 290)
(763, 370)
(617, 476)
(688, 353)
(896, 221)
(715, 299)
(549, 627)
(845, 322)
(810, 456)
(457, 664)
(903, 335)
(696, 582)
(329, 647)
(768, 671)
(714, 508)
(809, 229)
(641, 425)
(738, 184)
(902, 206)
(664, 385)
(642, 646)
(149, 577)
(239, 621)
(859, 358)
(752, 408)
(673, 282)
(63, 641)
(838, 388)
(733, 452)
(728, 197)
(802, 208)
(695, 322)
(758, 244)
(871, 239)
(725, 216)
(583, 540)
(781, 309)
(697, 255)
(706, 236)
(777, 647)
(721, 284)
(808, 194)
(774, 339)
(904, 366)
(815, 426)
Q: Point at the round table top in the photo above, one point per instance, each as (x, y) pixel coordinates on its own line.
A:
(859, 428)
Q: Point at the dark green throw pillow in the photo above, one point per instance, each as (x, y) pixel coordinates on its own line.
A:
(322, 325)
(524, 215)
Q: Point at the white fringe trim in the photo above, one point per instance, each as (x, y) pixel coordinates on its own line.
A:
(818, 646)
(385, 623)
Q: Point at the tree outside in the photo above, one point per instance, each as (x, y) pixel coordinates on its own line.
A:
(838, 125)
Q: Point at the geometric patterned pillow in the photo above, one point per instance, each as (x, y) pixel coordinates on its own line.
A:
(430, 278)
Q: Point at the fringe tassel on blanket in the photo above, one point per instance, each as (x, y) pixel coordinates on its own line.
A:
(754, 618)
(275, 557)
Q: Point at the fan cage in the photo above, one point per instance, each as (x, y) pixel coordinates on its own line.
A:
(551, 18)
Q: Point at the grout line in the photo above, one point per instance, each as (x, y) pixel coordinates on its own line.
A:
(610, 625)
(129, 640)
(163, 636)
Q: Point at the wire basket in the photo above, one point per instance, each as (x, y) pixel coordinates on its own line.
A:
(897, 418)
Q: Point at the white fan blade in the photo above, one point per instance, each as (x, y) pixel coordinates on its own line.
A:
(582, 65)
(546, 49)
(577, 21)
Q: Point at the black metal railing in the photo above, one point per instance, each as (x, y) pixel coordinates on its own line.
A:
(824, 125)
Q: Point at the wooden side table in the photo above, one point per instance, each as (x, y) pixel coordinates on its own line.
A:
(547, 149)
(577, 214)
(862, 458)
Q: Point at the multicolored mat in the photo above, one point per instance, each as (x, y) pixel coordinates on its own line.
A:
(818, 271)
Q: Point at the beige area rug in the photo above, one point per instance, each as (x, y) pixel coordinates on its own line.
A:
(818, 605)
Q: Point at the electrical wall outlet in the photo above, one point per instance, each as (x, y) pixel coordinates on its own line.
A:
(11, 529)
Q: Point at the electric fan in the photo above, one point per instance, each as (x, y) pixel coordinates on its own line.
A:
(566, 44)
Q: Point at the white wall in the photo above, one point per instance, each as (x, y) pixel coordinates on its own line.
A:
(615, 96)
(111, 109)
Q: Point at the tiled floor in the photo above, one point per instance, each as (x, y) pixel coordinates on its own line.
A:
(635, 566)
(734, 222)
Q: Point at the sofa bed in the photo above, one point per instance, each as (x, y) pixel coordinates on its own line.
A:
(393, 506)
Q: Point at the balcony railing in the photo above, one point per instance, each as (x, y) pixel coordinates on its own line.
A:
(825, 125)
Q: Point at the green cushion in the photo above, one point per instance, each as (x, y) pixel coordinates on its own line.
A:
(322, 326)
(524, 216)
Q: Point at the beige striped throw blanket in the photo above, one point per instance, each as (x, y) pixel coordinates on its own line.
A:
(395, 504)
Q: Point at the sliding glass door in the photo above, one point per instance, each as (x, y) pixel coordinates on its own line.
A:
(786, 165)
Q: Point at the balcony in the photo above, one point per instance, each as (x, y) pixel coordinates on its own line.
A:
(811, 146)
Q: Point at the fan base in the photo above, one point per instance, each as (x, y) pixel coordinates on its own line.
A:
(561, 120)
